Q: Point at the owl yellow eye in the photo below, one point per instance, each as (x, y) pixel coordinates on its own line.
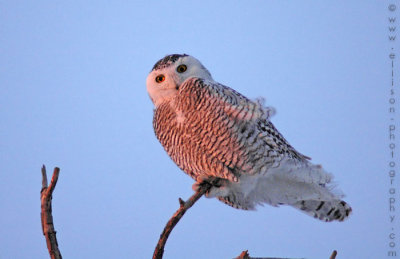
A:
(181, 68)
(160, 78)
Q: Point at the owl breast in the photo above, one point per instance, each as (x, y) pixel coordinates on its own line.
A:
(197, 137)
(204, 140)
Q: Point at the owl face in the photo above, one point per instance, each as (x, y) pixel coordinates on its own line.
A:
(170, 73)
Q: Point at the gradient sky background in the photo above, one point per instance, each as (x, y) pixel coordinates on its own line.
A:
(73, 95)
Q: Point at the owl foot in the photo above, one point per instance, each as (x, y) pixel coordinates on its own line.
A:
(218, 185)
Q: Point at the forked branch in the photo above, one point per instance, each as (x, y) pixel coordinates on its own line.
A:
(46, 213)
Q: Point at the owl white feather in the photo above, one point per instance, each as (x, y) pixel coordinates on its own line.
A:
(216, 134)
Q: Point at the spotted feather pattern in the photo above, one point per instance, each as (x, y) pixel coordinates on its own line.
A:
(167, 61)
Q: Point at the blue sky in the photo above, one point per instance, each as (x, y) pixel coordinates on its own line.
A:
(73, 95)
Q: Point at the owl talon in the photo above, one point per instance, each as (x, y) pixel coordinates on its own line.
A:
(218, 186)
(203, 180)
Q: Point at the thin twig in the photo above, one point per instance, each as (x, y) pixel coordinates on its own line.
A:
(244, 255)
(184, 206)
(46, 213)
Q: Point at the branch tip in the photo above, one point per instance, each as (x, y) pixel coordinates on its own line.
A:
(181, 202)
(54, 180)
(244, 255)
(44, 178)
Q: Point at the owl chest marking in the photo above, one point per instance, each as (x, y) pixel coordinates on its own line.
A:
(197, 140)
(180, 117)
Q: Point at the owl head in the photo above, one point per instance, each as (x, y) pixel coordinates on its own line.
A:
(169, 73)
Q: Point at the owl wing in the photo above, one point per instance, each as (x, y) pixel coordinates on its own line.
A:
(236, 131)
(241, 108)
(230, 137)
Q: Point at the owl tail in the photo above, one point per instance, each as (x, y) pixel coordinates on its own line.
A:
(325, 210)
(314, 193)
(309, 188)
(302, 185)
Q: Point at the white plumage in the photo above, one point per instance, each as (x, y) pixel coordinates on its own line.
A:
(214, 133)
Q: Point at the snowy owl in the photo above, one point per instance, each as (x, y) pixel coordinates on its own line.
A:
(215, 134)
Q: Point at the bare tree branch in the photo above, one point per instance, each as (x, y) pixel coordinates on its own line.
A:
(50, 233)
(245, 255)
(46, 213)
(184, 206)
